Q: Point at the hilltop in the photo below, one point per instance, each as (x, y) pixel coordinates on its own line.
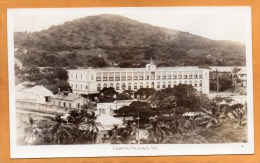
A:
(106, 40)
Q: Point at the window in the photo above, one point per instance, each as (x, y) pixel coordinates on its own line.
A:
(158, 75)
(195, 84)
(152, 85)
(169, 76)
(70, 105)
(78, 105)
(98, 87)
(111, 76)
(135, 85)
(200, 76)
(123, 86)
(59, 103)
(180, 82)
(185, 76)
(206, 74)
(195, 76)
(158, 85)
(190, 82)
(135, 75)
(81, 76)
(141, 85)
(185, 82)
(123, 75)
(174, 77)
(163, 75)
(201, 83)
(164, 85)
(86, 87)
(117, 86)
(152, 75)
(129, 75)
(98, 77)
(111, 85)
(105, 85)
(76, 86)
(76, 76)
(47, 98)
(147, 84)
(117, 75)
(104, 76)
(64, 104)
(174, 83)
(141, 76)
(147, 76)
(190, 76)
(92, 78)
(169, 84)
(81, 86)
(179, 76)
(129, 86)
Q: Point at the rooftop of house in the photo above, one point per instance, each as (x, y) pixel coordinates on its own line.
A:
(66, 96)
(30, 87)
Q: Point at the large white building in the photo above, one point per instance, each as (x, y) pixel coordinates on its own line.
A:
(86, 81)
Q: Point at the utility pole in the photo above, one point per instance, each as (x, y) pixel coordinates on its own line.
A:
(217, 81)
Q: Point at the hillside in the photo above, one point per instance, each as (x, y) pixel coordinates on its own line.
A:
(104, 40)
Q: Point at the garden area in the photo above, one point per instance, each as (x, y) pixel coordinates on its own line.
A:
(179, 115)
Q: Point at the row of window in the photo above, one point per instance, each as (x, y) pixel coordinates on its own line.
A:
(147, 85)
(123, 76)
(81, 77)
(147, 77)
(64, 104)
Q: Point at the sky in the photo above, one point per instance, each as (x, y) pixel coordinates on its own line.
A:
(217, 23)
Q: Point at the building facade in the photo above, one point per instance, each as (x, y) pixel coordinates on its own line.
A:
(86, 81)
(242, 74)
(67, 101)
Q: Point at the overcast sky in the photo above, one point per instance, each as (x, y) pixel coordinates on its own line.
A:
(216, 23)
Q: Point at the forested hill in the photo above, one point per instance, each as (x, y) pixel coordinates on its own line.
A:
(106, 40)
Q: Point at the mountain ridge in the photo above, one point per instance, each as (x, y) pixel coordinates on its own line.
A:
(113, 39)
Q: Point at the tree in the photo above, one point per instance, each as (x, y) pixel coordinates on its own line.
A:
(107, 94)
(124, 96)
(147, 92)
(164, 100)
(186, 96)
(124, 111)
(235, 77)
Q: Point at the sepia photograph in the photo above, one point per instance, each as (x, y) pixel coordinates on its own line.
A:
(136, 81)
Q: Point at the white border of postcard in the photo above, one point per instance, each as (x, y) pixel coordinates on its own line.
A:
(102, 150)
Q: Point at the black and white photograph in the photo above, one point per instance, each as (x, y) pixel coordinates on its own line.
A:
(135, 81)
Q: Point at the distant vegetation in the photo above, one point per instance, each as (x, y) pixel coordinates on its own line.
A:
(105, 40)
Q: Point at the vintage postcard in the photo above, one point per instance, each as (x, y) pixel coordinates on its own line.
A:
(150, 81)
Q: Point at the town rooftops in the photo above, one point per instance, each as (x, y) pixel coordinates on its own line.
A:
(66, 97)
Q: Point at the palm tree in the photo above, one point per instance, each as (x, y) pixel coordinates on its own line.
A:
(239, 116)
(235, 77)
(89, 126)
(33, 134)
(61, 132)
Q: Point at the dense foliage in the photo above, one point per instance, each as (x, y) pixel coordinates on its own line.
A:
(99, 41)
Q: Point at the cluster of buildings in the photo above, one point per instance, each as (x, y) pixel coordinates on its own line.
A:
(86, 81)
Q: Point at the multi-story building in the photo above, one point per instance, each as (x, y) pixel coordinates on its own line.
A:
(242, 74)
(86, 81)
